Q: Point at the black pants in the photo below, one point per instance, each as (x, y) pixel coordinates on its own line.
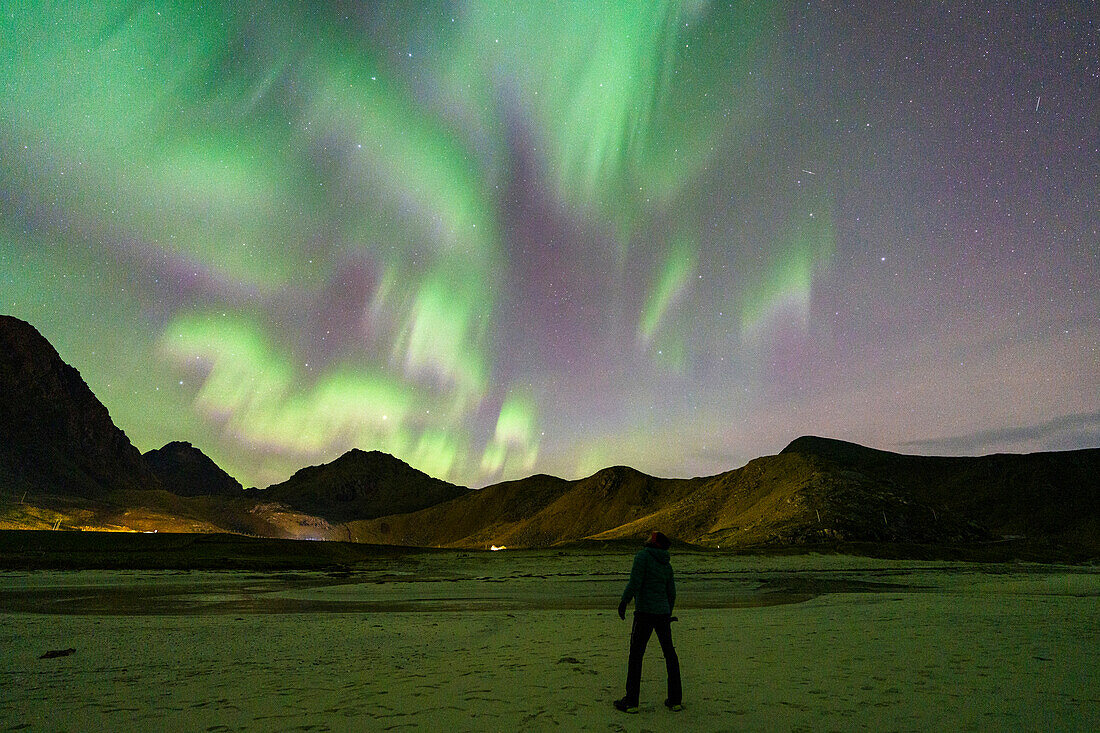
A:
(644, 625)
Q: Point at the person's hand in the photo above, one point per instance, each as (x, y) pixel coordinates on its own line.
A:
(622, 611)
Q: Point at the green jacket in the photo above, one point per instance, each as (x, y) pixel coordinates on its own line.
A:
(651, 583)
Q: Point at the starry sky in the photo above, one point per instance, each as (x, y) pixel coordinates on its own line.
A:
(504, 238)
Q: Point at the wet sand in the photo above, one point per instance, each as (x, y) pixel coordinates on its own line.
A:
(531, 641)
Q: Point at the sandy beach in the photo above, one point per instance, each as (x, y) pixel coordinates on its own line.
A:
(530, 641)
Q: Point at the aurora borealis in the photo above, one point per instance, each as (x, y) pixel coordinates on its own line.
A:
(495, 239)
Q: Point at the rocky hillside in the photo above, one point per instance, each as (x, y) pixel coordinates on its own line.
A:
(55, 436)
(816, 491)
(64, 464)
(185, 470)
(360, 485)
(1054, 495)
(532, 512)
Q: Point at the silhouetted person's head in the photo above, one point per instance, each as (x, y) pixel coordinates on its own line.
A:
(658, 539)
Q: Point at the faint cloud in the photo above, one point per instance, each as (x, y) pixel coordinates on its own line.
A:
(1068, 432)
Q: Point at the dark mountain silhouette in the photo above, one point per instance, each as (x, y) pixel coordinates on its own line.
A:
(1054, 494)
(59, 446)
(360, 485)
(532, 512)
(55, 436)
(816, 491)
(185, 470)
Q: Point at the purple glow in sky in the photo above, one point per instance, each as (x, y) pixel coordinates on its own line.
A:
(499, 239)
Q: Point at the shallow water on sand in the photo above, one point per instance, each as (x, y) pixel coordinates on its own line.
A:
(530, 640)
(456, 581)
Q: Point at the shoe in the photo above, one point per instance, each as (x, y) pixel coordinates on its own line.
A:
(626, 707)
(674, 706)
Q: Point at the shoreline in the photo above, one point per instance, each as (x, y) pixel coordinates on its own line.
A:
(71, 550)
(878, 644)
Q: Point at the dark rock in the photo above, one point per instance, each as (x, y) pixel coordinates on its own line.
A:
(816, 492)
(1054, 495)
(185, 470)
(360, 485)
(55, 436)
(54, 653)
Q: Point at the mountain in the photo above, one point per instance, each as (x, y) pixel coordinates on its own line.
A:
(63, 463)
(1055, 495)
(55, 436)
(815, 491)
(185, 470)
(360, 485)
(537, 511)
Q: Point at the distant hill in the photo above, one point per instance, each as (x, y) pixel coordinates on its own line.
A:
(55, 436)
(1053, 495)
(816, 491)
(64, 464)
(360, 485)
(537, 511)
(185, 470)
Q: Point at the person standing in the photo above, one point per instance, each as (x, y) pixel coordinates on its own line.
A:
(653, 590)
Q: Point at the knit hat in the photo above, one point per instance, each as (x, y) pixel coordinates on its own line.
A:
(658, 539)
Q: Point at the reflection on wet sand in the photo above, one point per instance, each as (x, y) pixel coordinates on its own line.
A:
(523, 640)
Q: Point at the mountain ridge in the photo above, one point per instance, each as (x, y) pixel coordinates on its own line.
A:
(59, 445)
(184, 470)
(55, 435)
(817, 490)
(1053, 493)
(360, 485)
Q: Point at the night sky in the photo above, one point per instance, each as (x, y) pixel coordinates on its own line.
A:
(497, 239)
